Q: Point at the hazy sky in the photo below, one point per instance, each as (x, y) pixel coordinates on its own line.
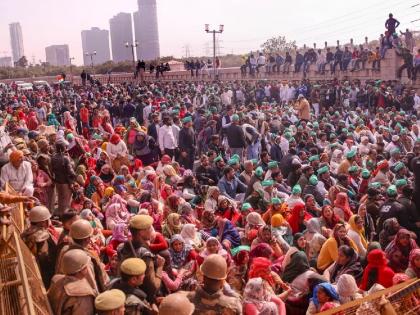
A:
(181, 22)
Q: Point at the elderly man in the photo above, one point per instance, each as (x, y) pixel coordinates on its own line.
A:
(18, 173)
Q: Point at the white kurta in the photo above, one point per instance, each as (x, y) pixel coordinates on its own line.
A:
(20, 179)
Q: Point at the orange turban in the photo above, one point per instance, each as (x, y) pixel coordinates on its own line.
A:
(15, 156)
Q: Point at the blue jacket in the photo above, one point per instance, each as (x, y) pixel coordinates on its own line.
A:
(230, 189)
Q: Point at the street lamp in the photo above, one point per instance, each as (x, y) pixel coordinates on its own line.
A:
(93, 53)
(71, 68)
(214, 32)
(132, 45)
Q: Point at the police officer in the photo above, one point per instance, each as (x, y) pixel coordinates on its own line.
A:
(41, 239)
(176, 303)
(141, 231)
(80, 233)
(132, 272)
(110, 302)
(71, 293)
(209, 298)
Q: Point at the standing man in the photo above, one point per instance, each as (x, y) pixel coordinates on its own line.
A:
(71, 293)
(187, 144)
(391, 24)
(236, 137)
(167, 139)
(63, 176)
(83, 75)
(303, 108)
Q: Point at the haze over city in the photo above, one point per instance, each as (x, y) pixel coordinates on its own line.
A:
(181, 23)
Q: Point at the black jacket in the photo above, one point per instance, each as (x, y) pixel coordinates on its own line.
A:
(235, 136)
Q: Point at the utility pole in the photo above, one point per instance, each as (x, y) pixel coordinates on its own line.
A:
(132, 45)
(71, 68)
(91, 58)
(214, 32)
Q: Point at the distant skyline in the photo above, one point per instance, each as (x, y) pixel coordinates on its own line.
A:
(181, 22)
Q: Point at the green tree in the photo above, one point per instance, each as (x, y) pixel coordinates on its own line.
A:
(22, 62)
(277, 44)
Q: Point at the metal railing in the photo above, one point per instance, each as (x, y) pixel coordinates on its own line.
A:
(404, 298)
(21, 287)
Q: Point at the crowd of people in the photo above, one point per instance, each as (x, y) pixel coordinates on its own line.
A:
(216, 197)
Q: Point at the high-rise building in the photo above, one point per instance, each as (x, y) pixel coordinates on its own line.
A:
(95, 40)
(121, 30)
(16, 41)
(146, 30)
(57, 55)
(6, 62)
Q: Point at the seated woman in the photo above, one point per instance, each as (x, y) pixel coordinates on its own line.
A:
(261, 267)
(172, 226)
(398, 251)
(299, 245)
(116, 212)
(221, 228)
(182, 255)
(119, 235)
(238, 271)
(226, 209)
(260, 299)
(328, 220)
(106, 174)
(281, 231)
(253, 224)
(212, 198)
(329, 250)
(192, 237)
(187, 215)
(314, 239)
(158, 244)
(368, 224)
(213, 247)
(296, 262)
(413, 269)
(389, 230)
(347, 263)
(298, 218)
(325, 297)
(342, 207)
(357, 234)
(376, 271)
(265, 237)
(347, 289)
(190, 187)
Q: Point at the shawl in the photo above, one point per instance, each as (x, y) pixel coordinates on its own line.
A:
(190, 235)
(91, 188)
(353, 268)
(169, 228)
(256, 293)
(377, 260)
(361, 232)
(415, 253)
(261, 267)
(329, 290)
(342, 201)
(178, 259)
(222, 252)
(395, 246)
(295, 218)
(298, 264)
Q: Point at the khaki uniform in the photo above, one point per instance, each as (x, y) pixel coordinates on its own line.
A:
(135, 303)
(153, 275)
(214, 304)
(44, 248)
(97, 276)
(69, 295)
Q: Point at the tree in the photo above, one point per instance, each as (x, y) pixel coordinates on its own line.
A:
(22, 62)
(277, 44)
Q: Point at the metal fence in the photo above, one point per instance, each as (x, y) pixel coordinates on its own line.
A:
(21, 287)
(404, 298)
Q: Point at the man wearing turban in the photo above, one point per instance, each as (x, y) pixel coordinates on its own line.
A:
(18, 173)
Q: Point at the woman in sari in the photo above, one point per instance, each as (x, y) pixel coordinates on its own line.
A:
(259, 299)
(328, 220)
(191, 236)
(325, 297)
(329, 250)
(172, 226)
(227, 210)
(389, 230)
(357, 234)
(213, 194)
(314, 239)
(254, 222)
(187, 215)
(181, 253)
(213, 247)
(261, 267)
(342, 207)
(398, 251)
(106, 174)
(413, 269)
(377, 271)
(238, 273)
(221, 228)
(298, 218)
(42, 184)
(368, 224)
(265, 236)
(348, 262)
(116, 212)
